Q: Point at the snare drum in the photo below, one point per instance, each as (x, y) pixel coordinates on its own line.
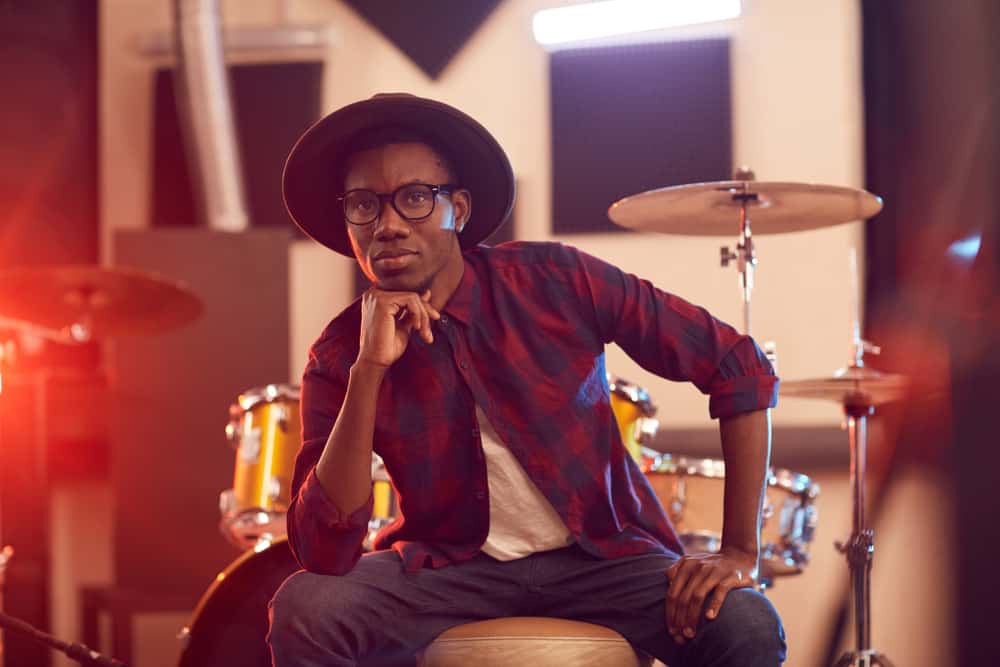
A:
(691, 491)
(634, 413)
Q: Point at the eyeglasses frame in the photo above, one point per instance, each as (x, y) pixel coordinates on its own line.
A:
(383, 197)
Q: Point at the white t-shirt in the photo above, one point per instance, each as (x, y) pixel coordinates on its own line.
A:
(522, 520)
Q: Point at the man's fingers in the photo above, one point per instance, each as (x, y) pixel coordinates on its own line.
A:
(426, 297)
(688, 600)
(420, 317)
(735, 580)
(682, 572)
(698, 589)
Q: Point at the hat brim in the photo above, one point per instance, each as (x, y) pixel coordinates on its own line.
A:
(308, 180)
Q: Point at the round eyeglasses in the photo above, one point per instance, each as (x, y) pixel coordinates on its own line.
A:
(413, 202)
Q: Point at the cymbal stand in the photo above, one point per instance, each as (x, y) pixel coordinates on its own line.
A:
(860, 548)
(745, 255)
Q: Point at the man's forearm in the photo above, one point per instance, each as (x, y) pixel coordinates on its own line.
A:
(344, 467)
(746, 447)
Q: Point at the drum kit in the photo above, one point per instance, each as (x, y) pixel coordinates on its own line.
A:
(79, 304)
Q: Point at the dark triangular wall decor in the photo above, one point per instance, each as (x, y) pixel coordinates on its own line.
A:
(430, 32)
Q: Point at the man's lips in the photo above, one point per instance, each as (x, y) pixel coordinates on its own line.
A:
(389, 254)
(394, 259)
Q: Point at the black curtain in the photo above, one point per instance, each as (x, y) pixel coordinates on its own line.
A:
(932, 122)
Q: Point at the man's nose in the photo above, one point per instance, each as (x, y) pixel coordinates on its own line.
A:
(390, 223)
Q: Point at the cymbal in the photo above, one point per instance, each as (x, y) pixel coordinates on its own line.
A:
(712, 209)
(850, 386)
(86, 302)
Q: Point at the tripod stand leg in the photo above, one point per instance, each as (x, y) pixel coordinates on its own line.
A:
(863, 659)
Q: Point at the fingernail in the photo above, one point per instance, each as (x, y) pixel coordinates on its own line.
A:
(689, 633)
(710, 613)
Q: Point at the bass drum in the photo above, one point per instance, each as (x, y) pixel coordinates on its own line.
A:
(229, 625)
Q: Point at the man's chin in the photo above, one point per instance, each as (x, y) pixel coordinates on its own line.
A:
(398, 282)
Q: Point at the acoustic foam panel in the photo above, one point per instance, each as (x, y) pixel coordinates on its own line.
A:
(631, 118)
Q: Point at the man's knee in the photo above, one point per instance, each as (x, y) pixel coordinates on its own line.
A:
(321, 609)
(748, 625)
(291, 608)
(307, 605)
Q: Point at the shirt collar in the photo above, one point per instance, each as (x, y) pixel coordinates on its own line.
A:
(464, 301)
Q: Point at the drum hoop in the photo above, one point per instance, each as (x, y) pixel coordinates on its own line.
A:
(632, 393)
(270, 393)
(716, 469)
(229, 569)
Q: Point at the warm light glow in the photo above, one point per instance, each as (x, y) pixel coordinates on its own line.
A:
(619, 17)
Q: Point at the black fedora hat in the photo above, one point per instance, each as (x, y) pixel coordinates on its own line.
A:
(309, 180)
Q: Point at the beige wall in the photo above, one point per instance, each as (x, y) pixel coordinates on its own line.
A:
(797, 116)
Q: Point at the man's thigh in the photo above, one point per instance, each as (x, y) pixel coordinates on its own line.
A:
(629, 595)
(378, 609)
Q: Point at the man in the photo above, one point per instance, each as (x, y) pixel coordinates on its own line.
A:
(478, 375)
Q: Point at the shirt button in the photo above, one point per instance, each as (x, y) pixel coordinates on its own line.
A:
(463, 365)
(443, 320)
(480, 495)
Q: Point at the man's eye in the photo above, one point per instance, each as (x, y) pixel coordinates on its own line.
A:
(416, 198)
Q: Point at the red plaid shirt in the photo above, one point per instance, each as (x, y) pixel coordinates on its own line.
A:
(523, 338)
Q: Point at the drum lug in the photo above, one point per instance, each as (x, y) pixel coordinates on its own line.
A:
(645, 430)
(809, 525)
(227, 501)
(678, 502)
(274, 487)
(281, 415)
(234, 429)
(184, 637)
(766, 511)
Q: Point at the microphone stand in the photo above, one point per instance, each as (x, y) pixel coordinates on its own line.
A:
(78, 652)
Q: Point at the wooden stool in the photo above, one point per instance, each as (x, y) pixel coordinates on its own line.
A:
(539, 642)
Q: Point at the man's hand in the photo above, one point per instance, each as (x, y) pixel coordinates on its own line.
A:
(387, 321)
(697, 578)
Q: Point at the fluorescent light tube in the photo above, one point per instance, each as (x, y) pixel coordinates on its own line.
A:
(619, 17)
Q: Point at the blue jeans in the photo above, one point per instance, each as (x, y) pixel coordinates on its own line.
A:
(379, 614)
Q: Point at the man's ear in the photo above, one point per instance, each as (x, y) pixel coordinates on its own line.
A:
(462, 202)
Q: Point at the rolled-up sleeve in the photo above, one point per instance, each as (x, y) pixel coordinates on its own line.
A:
(745, 382)
(324, 539)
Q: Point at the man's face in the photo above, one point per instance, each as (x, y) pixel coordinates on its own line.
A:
(399, 254)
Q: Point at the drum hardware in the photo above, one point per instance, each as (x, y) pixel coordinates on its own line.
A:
(80, 303)
(709, 209)
(634, 413)
(859, 390)
(689, 490)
